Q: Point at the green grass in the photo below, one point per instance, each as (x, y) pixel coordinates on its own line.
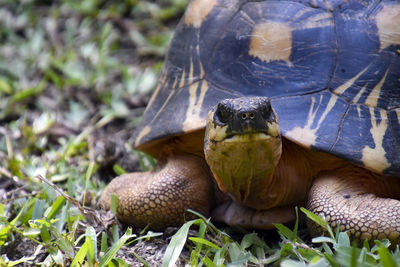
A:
(73, 76)
(212, 247)
(74, 80)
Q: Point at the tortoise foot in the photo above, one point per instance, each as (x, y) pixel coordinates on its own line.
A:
(161, 198)
(359, 202)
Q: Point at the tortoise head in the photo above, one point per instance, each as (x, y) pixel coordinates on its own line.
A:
(242, 146)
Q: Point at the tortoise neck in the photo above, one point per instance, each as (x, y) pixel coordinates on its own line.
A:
(295, 172)
(244, 166)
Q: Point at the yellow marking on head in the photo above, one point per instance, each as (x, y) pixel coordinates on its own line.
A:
(146, 130)
(247, 138)
(373, 97)
(217, 133)
(388, 22)
(347, 84)
(271, 41)
(193, 119)
(273, 129)
(307, 135)
(375, 158)
(197, 11)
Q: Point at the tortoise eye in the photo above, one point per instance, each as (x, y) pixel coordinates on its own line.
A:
(223, 113)
(267, 110)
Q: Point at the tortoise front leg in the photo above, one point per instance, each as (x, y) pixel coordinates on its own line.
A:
(161, 198)
(363, 203)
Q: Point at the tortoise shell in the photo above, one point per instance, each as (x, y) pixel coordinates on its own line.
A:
(330, 67)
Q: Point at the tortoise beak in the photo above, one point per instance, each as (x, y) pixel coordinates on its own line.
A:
(246, 115)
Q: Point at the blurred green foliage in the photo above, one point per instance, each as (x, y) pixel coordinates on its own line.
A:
(69, 70)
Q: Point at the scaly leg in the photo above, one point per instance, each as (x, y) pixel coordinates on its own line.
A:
(162, 197)
(364, 204)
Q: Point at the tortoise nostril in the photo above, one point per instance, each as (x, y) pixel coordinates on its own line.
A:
(248, 115)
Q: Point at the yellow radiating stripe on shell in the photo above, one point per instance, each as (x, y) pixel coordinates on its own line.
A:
(174, 84)
(173, 87)
(359, 110)
(307, 135)
(164, 105)
(373, 97)
(182, 81)
(201, 74)
(299, 14)
(201, 71)
(146, 130)
(190, 77)
(347, 84)
(329, 106)
(375, 158)
(397, 110)
(160, 84)
(197, 11)
(388, 23)
(318, 21)
(360, 93)
(193, 119)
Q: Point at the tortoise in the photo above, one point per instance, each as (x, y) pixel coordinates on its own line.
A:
(328, 69)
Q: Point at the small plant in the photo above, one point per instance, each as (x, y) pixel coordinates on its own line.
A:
(212, 247)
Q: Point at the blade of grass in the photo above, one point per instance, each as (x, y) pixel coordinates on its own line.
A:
(115, 247)
(204, 242)
(318, 220)
(176, 245)
(80, 255)
(386, 258)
